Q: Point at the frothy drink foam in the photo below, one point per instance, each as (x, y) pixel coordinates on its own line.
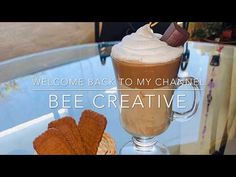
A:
(142, 55)
(144, 46)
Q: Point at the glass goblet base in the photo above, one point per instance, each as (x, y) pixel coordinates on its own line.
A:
(144, 146)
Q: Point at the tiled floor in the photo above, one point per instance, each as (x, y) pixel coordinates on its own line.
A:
(23, 38)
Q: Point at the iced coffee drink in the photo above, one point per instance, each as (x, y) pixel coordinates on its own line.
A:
(150, 65)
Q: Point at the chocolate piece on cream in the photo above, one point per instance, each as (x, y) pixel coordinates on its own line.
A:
(175, 36)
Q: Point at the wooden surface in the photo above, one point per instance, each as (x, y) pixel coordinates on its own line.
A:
(19, 39)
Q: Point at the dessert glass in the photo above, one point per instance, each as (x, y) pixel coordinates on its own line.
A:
(151, 118)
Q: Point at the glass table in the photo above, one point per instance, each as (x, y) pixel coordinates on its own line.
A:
(27, 84)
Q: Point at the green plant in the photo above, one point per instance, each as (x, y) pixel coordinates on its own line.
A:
(199, 33)
(213, 28)
(208, 29)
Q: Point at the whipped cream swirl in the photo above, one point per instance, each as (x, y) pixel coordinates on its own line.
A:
(146, 47)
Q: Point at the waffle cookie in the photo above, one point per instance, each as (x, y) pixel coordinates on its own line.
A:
(68, 127)
(52, 142)
(91, 128)
(65, 137)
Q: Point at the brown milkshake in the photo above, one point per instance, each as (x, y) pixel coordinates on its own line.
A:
(149, 63)
(154, 116)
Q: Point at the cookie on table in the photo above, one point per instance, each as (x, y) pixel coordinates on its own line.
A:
(52, 142)
(91, 128)
(68, 127)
